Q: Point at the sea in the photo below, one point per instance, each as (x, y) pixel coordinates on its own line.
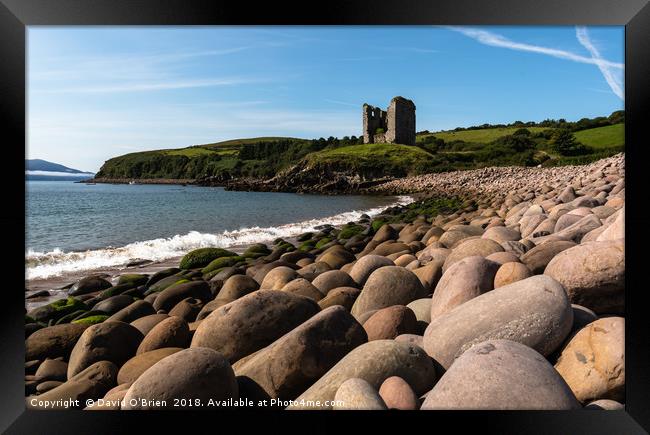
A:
(75, 227)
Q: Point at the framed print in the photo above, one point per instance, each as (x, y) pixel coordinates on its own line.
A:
(395, 213)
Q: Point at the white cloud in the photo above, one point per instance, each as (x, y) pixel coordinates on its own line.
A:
(496, 40)
(605, 69)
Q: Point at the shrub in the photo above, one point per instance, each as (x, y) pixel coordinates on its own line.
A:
(564, 143)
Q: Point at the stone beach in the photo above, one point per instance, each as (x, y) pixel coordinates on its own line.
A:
(499, 288)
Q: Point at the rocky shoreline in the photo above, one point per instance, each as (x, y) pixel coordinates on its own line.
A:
(501, 288)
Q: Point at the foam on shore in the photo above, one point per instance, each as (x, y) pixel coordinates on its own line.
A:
(40, 265)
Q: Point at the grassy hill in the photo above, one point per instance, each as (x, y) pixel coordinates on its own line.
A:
(226, 158)
(484, 135)
(374, 159)
(602, 137)
(265, 157)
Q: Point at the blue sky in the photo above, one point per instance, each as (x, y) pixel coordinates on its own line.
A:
(98, 92)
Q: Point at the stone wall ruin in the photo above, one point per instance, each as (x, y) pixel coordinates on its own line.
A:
(396, 125)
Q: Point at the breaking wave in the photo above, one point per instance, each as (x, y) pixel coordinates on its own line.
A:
(57, 262)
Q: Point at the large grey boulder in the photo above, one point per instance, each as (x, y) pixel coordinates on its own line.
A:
(252, 322)
(387, 286)
(192, 374)
(88, 384)
(373, 362)
(470, 248)
(289, 365)
(534, 311)
(366, 265)
(358, 394)
(593, 361)
(108, 341)
(499, 375)
(538, 258)
(464, 280)
(53, 341)
(593, 274)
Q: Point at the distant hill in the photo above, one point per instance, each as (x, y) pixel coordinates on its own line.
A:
(37, 169)
(288, 163)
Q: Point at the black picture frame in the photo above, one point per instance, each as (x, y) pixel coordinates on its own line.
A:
(15, 15)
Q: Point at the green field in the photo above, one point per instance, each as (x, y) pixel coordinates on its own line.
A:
(236, 143)
(189, 152)
(372, 151)
(375, 159)
(602, 137)
(484, 135)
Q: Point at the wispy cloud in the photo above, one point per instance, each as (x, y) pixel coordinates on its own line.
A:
(148, 86)
(120, 65)
(413, 49)
(611, 79)
(602, 91)
(359, 59)
(343, 103)
(496, 40)
(126, 72)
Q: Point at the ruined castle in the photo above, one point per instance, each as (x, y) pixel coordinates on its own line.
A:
(396, 125)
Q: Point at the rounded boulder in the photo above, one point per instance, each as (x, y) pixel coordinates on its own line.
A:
(358, 394)
(534, 311)
(398, 394)
(193, 374)
(292, 363)
(252, 322)
(471, 248)
(176, 293)
(237, 286)
(509, 273)
(366, 265)
(538, 258)
(501, 375)
(132, 312)
(463, 281)
(302, 287)
(373, 362)
(108, 341)
(344, 296)
(593, 274)
(332, 279)
(53, 341)
(386, 286)
(593, 362)
(390, 322)
(133, 368)
(171, 332)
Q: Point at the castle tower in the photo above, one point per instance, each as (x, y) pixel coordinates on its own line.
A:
(397, 125)
(401, 121)
(373, 118)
